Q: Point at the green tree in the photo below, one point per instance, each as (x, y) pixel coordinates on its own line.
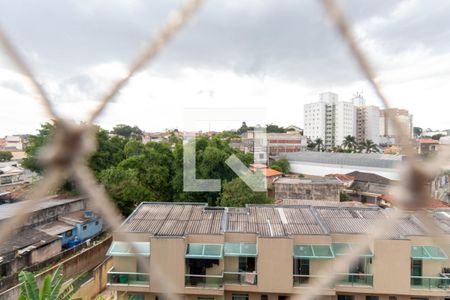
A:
(281, 165)
(368, 146)
(272, 128)
(236, 193)
(51, 289)
(124, 188)
(437, 137)
(5, 156)
(417, 131)
(310, 144)
(319, 145)
(109, 153)
(127, 131)
(349, 143)
(35, 146)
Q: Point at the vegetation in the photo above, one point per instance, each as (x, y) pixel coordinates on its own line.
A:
(349, 143)
(127, 131)
(368, 146)
(237, 193)
(133, 172)
(51, 289)
(417, 131)
(5, 156)
(270, 128)
(343, 197)
(281, 165)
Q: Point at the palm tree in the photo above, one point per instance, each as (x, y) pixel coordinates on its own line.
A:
(349, 143)
(52, 286)
(369, 146)
(311, 145)
(319, 144)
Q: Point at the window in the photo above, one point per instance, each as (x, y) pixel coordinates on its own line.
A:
(282, 297)
(392, 297)
(308, 194)
(69, 233)
(136, 297)
(247, 264)
(84, 227)
(371, 297)
(264, 297)
(239, 297)
(345, 297)
(159, 297)
(96, 223)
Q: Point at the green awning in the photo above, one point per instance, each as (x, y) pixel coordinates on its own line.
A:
(313, 251)
(204, 251)
(344, 248)
(240, 249)
(428, 253)
(124, 249)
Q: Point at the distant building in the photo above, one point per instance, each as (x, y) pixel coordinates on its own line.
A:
(387, 122)
(321, 189)
(323, 163)
(427, 146)
(263, 144)
(369, 182)
(270, 174)
(52, 225)
(13, 142)
(329, 119)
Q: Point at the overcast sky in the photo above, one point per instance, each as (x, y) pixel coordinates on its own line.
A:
(271, 56)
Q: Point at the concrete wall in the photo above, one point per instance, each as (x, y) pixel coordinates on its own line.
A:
(306, 191)
(274, 265)
(167, 262)
(97, 283)
(45, 252)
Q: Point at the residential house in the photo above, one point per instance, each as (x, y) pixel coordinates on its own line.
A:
(319, 189)
(270, 174)
(275, 252)
(427, 146)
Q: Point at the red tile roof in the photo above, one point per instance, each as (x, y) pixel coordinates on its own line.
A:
(431, 203)
(428, 141)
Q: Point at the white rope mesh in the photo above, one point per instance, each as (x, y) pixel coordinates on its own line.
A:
(72, 145)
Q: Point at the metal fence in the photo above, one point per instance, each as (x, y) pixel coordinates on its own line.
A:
(72, 144)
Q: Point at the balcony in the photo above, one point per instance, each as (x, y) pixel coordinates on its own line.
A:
(430, 283)
(305, 280)
(355, 279)
(241, 278)
(128, 278)
(203, 281)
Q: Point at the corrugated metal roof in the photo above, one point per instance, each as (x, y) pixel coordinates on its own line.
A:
(180, 219)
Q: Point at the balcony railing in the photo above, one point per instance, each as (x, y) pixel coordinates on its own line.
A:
(128, 278)
(358, 279)
(305, 280)
(430, 283)
(203, 281)
(244, 278)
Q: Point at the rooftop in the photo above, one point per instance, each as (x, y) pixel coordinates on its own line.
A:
(369, 177)
(349, 159)
(24, 239)
(181, 219)
(428, 141)
(291, 180)
(8, 210)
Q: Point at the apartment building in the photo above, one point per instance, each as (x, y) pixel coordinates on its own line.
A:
(268, 252)
(329, 119)
(367, 123)
(387, 125)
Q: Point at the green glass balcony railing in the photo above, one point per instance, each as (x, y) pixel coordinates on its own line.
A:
(358, 279)
(244, 278)
(128, 278)
(430, 283)
(305, 280)
(203, 281)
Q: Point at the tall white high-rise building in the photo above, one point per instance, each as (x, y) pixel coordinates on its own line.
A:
(387, 126)
(329, 119)
(332, 120)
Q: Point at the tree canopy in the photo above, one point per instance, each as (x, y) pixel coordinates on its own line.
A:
(133, 172)
(236, 193)
(5, 156)
(281, 165)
